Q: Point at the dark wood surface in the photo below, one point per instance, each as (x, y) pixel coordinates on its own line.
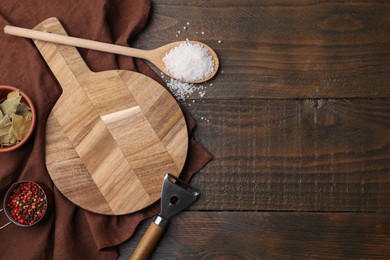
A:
(298, 121)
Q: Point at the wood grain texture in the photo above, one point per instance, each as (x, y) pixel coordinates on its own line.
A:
(304, 155)
(297, 120)
(272, 235)
(107, 136)
(284, 49)
(148, 242)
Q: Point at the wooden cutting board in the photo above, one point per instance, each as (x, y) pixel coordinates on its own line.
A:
(112, 135)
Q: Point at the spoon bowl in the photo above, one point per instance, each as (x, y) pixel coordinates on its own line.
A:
(155, 56)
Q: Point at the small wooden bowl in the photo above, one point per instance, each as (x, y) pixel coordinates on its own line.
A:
(4, 90)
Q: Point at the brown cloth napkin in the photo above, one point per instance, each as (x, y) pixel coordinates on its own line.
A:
(70, 232)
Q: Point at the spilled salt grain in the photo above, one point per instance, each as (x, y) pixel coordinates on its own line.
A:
(180, 90)
(189, 62)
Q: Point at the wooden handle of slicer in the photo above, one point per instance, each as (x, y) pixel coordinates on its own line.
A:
(148, 242)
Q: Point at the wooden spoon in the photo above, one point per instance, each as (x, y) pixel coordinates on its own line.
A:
(154, 56)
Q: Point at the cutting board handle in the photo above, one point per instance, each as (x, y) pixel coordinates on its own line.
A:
(64, 58)
(148, 242)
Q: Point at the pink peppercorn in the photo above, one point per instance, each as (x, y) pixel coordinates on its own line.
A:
(27, 203)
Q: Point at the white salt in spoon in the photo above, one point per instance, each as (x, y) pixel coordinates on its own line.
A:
(154, 56)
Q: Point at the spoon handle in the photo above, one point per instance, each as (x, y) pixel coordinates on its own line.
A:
(76, 42)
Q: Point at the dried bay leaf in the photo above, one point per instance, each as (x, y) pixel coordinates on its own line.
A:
(12, 139)
(4, 130)
(27, 115)
(13, 94)
(6, 120)
(22, 107)
(5, 137)
(15, 119)
(4, 141)
(9, 106)
(20, 126)
(17, 124)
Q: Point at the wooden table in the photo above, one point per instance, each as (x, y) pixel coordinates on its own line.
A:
(298, 121)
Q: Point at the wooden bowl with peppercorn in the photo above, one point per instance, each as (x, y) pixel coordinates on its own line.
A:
(17, 118)
(26, 203)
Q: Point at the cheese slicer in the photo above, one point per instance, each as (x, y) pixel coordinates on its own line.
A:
(176, 195)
